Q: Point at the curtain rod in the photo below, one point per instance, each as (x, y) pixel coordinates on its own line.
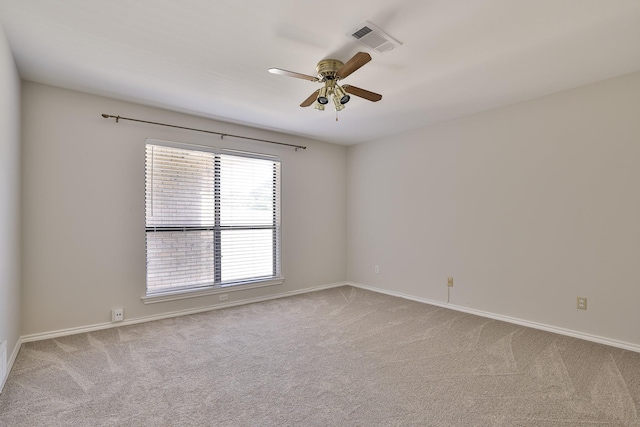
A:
(222, 135)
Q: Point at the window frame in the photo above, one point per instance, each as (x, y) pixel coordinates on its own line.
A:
(218, 286)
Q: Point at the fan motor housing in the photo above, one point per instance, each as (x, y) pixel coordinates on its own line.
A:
(327, 69)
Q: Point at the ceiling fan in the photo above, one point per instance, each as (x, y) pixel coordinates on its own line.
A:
(330, 71)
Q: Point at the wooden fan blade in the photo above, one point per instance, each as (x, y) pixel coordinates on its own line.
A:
(358, 60)
(311, 99)
(371, 96)
(293, 74)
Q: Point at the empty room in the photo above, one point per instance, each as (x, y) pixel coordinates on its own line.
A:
(292, 213)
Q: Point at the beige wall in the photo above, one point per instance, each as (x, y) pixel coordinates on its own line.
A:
(83, 208)
(527, 207)
(9, 198)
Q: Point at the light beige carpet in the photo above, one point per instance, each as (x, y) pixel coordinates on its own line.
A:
(339, 357)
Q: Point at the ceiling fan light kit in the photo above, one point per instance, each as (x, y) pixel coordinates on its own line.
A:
(322, 96)
(329, 72)
(340, 93)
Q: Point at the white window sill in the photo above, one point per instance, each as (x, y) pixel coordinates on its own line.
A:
(210, 290)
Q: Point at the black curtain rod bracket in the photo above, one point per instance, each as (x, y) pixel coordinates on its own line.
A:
(222, 135)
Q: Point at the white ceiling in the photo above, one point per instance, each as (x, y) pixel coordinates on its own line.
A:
(210, 57)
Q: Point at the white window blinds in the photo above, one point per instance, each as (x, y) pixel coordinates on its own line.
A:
(212, 219)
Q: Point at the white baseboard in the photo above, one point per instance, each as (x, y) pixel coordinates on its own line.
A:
(508, 319)
(107, 325)
(12, 359)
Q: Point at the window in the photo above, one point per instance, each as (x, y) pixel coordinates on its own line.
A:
(212, 219)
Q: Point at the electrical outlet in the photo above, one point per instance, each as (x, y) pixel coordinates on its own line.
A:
(117, 315)
(582, 303)
(450, 282)
(224, 297)
(376, 269)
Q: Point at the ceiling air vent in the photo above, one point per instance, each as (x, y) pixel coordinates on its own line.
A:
(374, 38)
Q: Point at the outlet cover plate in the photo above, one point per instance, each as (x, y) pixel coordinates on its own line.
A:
(117, 315)
(582, 303)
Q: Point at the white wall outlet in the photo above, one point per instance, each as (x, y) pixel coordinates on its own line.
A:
(582, 303)
(376, 269)
(117, 315)
(450, 282)
(224, 297)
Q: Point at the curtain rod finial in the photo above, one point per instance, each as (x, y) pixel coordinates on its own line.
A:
(106, 116)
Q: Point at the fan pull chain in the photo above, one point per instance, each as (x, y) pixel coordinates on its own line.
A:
(336, 115)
